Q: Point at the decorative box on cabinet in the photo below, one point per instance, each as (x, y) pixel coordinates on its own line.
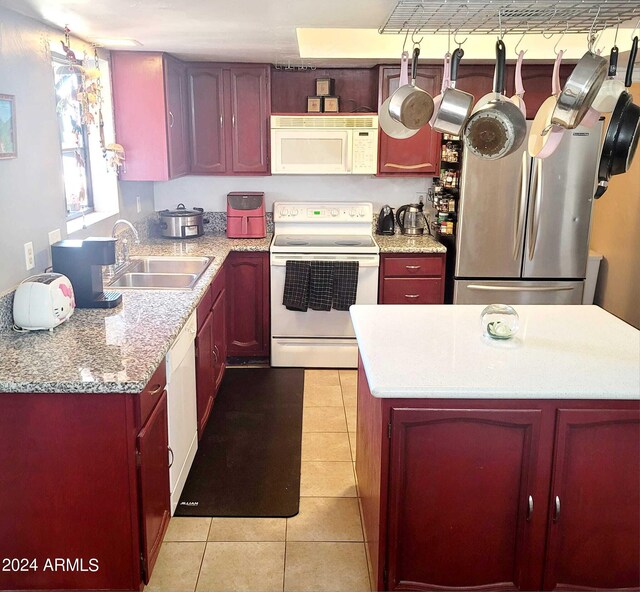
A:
(412, 278)
(150, 106)
(229, 108)
(420, 154)
(211, 347)
(248, 304)
(550, 487)
(86, 478)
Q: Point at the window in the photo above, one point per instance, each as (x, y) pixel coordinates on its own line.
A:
(88, 164)
(73, 140)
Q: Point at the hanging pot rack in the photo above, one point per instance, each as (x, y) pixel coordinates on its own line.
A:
(507, 16)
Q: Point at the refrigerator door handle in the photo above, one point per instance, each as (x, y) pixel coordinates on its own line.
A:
(520, 210)
(537, 201)
(519, 288)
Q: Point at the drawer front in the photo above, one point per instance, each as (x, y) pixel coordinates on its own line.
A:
(412, 291)
(151, 394)
(412, 266)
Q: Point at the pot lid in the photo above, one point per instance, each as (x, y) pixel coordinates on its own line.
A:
(181, 210)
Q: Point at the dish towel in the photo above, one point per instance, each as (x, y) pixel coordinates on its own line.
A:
(321, 285)
(296, 285)
(345, 284)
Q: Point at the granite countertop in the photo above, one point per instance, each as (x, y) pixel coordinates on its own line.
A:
(114, 350)
(559, 352)
(401, 243)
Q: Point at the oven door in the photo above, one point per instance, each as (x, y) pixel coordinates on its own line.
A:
(317, 339)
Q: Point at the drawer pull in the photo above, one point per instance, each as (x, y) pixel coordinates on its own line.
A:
(172, 457)
(556, 513)
(530, 508)
(413, 266)
(412, 295)
(157, 388)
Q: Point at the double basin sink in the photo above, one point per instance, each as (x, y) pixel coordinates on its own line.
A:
(161, 273)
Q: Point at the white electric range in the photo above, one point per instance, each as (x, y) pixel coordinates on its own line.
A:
(325, 231)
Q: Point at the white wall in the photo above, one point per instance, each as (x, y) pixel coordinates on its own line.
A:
(210, 192)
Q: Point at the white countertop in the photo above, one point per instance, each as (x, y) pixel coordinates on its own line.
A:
(559, 352)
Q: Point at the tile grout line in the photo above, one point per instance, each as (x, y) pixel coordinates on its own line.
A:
(284, 562)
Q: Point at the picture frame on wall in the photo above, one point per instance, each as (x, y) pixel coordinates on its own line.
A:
(8, 147)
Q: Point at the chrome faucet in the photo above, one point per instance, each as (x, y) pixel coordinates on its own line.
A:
(122, 258)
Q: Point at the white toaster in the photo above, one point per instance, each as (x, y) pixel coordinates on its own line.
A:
(43, 301)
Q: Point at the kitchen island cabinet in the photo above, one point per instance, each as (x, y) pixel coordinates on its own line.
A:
(543, 470)
(88, 502)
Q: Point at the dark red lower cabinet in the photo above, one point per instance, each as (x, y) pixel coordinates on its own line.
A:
(499, 494)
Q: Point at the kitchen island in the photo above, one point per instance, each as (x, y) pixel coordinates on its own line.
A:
(499, 465)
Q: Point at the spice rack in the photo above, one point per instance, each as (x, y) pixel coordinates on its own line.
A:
(446, 188)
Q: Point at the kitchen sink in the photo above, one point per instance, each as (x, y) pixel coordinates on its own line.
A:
(161, 273)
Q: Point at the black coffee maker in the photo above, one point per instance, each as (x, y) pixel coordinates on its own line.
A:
(81, 261)
(386, 221)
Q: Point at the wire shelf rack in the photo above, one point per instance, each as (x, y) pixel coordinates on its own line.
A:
(508, 16)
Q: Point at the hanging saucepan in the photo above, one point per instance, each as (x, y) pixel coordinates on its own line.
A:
(607, 98)
(410, 105)
(580, 90)
(498, 128)
(446, 81)
(389, 125)
(544, 137)
(621, 139)
(456, 105)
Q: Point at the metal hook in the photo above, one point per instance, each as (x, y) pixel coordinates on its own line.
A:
(555, 11)
(449, 40)
(634, 29)
(455, 40)
(520, 41)
(404, 45)
(555, 47)
(500, 24)
(413, 34)
(615, 39)
(590, 38)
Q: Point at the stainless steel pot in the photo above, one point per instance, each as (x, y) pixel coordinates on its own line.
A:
(580, 90)
(455, 105)
(181, 222)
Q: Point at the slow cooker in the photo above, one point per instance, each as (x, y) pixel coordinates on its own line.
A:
(182, 222)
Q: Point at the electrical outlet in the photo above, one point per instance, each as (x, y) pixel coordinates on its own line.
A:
(422, 196)
(29, 257)
(138, 205)
(55, 236)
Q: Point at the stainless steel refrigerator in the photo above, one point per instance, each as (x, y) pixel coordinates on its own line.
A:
(523, 225)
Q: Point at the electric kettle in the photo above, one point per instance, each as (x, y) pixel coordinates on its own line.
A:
(411, 219)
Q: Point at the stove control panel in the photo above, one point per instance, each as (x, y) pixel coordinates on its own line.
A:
(322, 212)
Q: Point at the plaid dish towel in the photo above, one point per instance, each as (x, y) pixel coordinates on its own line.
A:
(296, 285)
(345, 284)
(321, 285)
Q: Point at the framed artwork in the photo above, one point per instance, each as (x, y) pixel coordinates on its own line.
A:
(8, 148)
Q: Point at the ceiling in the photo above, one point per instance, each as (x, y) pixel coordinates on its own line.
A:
(324, 32)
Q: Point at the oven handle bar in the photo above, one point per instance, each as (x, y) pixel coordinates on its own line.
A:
(363, 260)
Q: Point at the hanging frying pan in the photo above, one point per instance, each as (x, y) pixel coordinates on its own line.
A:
(446, 70)
(410, 105)
(621, 139)
(607, 98)
(580, 90)
(498, 128)
(455, 106)
(389, 125)
(518, 98)
(544, 137)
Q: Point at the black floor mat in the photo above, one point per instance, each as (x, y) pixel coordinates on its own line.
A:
(248, 459)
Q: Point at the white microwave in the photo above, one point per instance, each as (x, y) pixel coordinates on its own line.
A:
(324, 144)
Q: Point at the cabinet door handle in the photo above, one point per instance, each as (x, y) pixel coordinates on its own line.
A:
(413, 266)
(233, 120)
(215, 347)
(221, 121)
(412, 295)
(157, 388)
(530, 508)
(170, 119)
(172, 457)
(556, 513)
(215, 355)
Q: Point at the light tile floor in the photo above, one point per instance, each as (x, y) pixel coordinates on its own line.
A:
(319, 550)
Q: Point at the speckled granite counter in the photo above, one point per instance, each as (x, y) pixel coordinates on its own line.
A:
(400, 243)
(117, 350)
